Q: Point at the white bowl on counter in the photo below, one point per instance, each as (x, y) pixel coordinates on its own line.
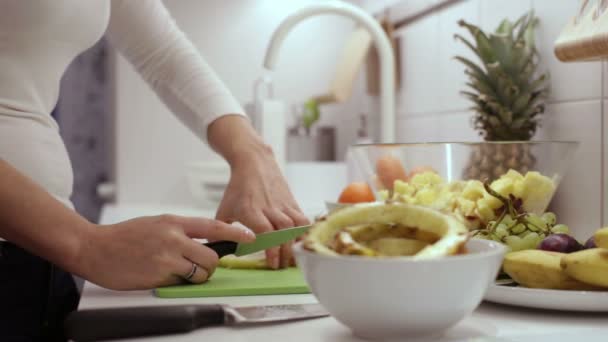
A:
(400, 297)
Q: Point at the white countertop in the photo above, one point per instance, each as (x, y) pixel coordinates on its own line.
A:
(490, 322)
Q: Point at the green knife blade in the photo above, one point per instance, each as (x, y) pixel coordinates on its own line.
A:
(270, 239)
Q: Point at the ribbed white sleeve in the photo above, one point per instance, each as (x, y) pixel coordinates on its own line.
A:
(146, 34)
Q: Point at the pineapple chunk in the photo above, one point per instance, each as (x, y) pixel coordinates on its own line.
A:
(518, 188)
(484, 211)
(426, 178)
(426, 196)
(467, 207)
(491, 201)
(513, 175)
(383, 195)
(503, 186)
(537, 192)
(403, 188)
(473, 190)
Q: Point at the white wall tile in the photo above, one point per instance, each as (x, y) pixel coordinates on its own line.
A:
(570, 81)
(453, 79)
(457, 127)
(417, 129)
(578, 199)
(420, 72)
(494, 11)
(431, 127)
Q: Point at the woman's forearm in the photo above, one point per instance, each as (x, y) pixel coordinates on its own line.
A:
(235, 139)
(31, 218)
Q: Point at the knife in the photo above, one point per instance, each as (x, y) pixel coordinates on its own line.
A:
(115, 323)
(262, 241)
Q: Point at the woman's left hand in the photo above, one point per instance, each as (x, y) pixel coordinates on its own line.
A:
(257, 195)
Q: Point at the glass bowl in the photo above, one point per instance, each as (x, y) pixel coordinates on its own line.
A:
(454, 161)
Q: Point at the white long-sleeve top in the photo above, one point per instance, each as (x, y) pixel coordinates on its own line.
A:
(39, 39)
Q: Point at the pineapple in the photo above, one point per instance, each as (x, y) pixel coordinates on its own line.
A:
(507, 92)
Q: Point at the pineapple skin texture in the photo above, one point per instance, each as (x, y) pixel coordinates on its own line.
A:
(540, 269)
(601, 238)
(589, 266)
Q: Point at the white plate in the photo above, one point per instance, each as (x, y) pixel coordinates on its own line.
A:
(565, 300)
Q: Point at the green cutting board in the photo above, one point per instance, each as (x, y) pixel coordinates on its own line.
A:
(239, 282)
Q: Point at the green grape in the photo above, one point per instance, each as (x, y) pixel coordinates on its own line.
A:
(501, 231)
(536, 223)
(531, 240)
(549, 218)
(518, 228)
(507, 220)
(560, 229)
(524, 233)
(514, 242)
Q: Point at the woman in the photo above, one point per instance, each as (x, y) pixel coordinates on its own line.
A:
(43, 238)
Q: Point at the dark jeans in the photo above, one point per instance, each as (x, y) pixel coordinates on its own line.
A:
(35, 297)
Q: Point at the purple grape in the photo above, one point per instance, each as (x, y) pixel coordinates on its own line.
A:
(590, 243)
(562, 243)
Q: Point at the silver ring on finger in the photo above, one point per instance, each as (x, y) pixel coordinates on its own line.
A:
(189, 276)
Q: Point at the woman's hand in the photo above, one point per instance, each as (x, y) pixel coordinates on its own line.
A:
(257, 195)
(155, 251)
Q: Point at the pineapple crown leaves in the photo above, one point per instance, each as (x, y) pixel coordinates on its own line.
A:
(505, 87)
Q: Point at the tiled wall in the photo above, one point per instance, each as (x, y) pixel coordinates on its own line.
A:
(431, 109)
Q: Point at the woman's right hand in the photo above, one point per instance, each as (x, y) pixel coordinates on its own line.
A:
(149, 252)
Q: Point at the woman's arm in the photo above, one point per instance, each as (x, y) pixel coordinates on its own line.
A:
(147, 36)
(137, 254)
(257, 195)
(33, 219)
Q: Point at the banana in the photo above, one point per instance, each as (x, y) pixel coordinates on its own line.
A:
(409, 221)
(589, 266)
(540, 269)
(601, 238)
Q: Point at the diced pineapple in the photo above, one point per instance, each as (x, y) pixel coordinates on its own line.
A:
(503, 186)
(484, 211)
(383, 195)
(513, 175)
(473, 190)
(518, 188)
(426, 196)
(403, 188)
(426, 178)
(537, 192)
(491, 201)
(467, 207)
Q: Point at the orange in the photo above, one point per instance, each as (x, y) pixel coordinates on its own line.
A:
(357, 192)
(389, 169)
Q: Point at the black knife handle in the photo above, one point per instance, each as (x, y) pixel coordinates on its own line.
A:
(107, 324)
(222, 248)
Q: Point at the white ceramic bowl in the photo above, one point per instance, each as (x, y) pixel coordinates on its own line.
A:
(400, 297)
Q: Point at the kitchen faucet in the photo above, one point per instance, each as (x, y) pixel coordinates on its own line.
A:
(383, 45)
